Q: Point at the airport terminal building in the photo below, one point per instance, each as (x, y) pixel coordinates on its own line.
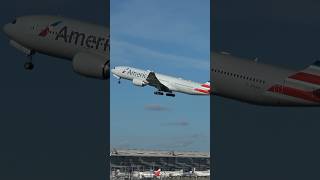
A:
(143, 160)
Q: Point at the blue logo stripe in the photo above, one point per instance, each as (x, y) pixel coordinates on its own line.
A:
(56, 23)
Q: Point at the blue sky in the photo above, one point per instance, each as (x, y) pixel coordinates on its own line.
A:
(169, 37)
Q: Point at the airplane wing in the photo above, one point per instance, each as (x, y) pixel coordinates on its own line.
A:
(154, 81)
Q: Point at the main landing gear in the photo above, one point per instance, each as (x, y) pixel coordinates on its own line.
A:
(170, 94)
(158, 93)
(167, 94)
(29, 65)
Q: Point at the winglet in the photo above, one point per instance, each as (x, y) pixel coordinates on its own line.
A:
(157, 172)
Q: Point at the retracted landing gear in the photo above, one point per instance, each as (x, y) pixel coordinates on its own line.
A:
(158, 93)
(170, 94)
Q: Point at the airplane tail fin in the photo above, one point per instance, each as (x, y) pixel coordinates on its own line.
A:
(310, 75)
(157, 172)
(206, 85)
(304, 84)
(204, 88)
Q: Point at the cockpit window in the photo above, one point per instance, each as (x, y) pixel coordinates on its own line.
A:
(14, 21)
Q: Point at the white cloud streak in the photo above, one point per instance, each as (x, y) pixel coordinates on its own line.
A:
(126, 53)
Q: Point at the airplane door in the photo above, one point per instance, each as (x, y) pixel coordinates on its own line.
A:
(280, 88)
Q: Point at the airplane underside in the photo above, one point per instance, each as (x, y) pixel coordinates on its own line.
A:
(272, 99)
(267, 85)
(162, 93)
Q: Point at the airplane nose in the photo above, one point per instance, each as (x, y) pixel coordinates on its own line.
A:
(6, 29)
(113, 71)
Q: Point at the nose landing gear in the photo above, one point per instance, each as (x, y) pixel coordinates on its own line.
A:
(29, 65)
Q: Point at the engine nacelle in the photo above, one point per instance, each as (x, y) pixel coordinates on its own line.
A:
(91, 65)
(138, 82)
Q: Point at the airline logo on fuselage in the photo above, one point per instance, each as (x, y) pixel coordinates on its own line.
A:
(46, 30)
(82, 39)
(136, 74)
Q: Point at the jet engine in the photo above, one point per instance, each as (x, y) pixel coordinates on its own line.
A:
(91, 65)
(138, 82)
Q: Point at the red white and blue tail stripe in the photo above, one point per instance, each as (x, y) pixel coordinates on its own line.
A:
(205, 88)
(304, 85)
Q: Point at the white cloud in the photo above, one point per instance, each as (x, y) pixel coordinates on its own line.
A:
(156, 107)
(127, 53)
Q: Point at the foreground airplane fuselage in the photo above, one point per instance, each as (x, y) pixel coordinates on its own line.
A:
(263, 84)
(86, 44)
(162, 82)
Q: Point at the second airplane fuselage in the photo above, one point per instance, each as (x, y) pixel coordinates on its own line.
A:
(262, 84)
(59, 36)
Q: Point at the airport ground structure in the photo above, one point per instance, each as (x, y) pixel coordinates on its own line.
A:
(128, 161)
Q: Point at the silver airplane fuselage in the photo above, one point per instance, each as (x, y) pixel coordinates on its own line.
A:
(262, 84)
(63, 38)
(174, 84)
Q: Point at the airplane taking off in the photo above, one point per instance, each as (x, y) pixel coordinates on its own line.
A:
(163, 83)
(85, 44)
(263, 84)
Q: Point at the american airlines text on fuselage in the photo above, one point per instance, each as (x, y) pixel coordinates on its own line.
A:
(136, 74)
(90, 41)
